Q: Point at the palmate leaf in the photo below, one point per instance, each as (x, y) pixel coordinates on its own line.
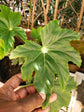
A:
(8, 27)
(49, 59)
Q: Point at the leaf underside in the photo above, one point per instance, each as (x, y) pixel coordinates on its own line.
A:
(49, 59)
(8, 27)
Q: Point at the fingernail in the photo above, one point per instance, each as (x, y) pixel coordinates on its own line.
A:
(43, 96)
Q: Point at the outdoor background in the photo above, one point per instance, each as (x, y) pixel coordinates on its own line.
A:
(37, 13)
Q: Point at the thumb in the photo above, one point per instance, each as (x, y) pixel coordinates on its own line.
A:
(33, 101)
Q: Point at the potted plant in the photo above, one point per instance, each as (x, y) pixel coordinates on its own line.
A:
(49, 60)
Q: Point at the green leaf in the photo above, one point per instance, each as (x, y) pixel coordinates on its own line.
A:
(63, 96)
(49, 59)
(8, 27)
(35, 33)
(2, 53)
(21, 33)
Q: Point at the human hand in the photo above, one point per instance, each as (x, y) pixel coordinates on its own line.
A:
(23, 100)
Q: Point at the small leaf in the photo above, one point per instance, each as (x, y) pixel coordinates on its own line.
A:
(8, 27)
(35, 33)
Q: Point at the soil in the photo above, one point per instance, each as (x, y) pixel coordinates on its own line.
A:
(7, 70)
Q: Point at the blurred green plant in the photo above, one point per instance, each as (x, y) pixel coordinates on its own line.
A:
(8, 27)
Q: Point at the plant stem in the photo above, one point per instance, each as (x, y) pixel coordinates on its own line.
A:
(20, 87)
(47, 6)
(33, 12)
(24, 11)
(26, 85)
(38, 16)
(81, 15)
(73, 8)
(45, 18)
(29, 13)
(45, 10)
(56, 9)
(66, 4)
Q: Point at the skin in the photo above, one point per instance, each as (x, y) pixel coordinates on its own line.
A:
(22, 100)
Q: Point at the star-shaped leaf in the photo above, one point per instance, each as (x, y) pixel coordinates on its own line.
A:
(8, 27)
(49, 59)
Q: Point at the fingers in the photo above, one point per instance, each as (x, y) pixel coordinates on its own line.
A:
(8, 87)
(14, 81)
(32, 101)
(22, 93)
(41, 110)
(53, 98)
(31, 89)
(1, 84)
